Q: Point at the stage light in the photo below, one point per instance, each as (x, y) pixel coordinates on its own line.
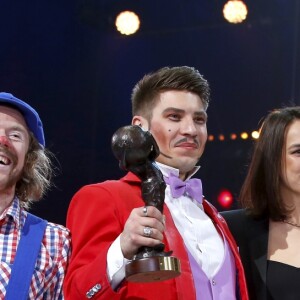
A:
(127, 22)
(210, 137)
(255, 134)
(233, 136)
(235, 11)
(244, 135)
(225, 198)
(221, 137)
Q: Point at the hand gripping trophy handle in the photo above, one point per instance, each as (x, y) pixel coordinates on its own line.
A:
(136, 151)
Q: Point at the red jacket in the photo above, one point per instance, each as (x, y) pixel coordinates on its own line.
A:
(96, 217)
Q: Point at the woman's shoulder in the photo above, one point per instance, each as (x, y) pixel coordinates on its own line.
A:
(236, 220)
(243, 225)
(242, 216)
(234, 215)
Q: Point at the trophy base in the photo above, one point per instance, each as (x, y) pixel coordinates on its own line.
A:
(151, 269)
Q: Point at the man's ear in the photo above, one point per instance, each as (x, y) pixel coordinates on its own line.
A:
(140, 121)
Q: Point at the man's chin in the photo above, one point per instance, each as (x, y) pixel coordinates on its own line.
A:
(8, 182)
(185, 165)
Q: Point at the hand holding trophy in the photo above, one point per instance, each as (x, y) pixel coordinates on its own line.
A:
(136, 151)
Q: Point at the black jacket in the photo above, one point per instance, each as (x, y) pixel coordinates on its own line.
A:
(251, 236)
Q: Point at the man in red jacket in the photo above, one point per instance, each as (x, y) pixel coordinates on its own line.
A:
(110, 223)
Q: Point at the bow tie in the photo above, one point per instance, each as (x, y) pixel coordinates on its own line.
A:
(193, 187)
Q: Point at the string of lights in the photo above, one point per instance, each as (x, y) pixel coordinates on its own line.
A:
(234, 136)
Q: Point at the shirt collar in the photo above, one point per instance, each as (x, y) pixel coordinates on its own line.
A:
(12, 212)
(167, 170)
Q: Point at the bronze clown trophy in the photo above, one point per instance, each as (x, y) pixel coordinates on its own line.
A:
(136, 151)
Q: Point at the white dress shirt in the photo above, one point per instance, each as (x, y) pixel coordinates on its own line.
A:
(196, 228)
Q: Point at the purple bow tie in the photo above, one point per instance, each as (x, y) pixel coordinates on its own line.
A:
(193, 187)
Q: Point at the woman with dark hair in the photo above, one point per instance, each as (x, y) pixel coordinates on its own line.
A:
(267, 230)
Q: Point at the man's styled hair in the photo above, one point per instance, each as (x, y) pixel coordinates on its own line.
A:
(146, 91)
(260, 193)
(37, 173)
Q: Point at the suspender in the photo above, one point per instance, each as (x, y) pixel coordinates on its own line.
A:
(25, 259)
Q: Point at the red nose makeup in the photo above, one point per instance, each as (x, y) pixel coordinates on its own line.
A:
(4, 141)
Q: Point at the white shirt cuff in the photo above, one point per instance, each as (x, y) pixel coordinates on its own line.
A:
(115, 264)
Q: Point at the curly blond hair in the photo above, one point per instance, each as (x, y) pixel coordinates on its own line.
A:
(37, 173)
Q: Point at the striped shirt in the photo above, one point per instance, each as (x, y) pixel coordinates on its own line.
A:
(52, 260)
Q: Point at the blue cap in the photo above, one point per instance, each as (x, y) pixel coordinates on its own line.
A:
(31, 117)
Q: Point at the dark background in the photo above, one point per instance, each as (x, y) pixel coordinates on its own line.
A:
(67, 60)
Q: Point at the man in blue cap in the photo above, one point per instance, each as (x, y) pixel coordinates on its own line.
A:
(34, 253)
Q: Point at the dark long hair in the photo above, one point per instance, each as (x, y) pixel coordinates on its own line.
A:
(37, 173)
(260, 193)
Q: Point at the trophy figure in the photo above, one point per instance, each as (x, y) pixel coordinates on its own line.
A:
(136, 151)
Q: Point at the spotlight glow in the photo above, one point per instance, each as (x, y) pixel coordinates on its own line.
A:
(221, 137)
(127, 22)
(255, 134)
(210, 137)
(233, 136)
(244, 135)
(235, 11)
(225, 198)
